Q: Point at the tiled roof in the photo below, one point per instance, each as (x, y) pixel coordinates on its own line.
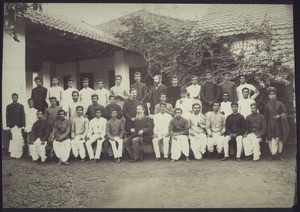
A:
(228, 19)
(66, 24)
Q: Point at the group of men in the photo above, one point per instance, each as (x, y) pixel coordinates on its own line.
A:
(182, 119)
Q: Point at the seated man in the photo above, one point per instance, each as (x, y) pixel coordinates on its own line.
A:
(62, 142)
(161, 125)
(255, 130)
(79, 131)
(40, 132)
(169, 107)
(178, 131)
(215, 128)
(142, 129)
(197, 133)
(115, 133)
(235, 129)
(97, 130)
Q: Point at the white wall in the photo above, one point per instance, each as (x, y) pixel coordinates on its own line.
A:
(66, 69)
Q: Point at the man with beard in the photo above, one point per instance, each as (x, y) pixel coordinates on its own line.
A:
(155, 92)
(141, 89)
(119, 91)
(173, 92)
(129, 110)
(142, 130)
(39, 95)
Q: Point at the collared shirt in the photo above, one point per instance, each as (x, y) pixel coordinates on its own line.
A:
(51, 114)
(193, 91)
(244, 106)
(114, 128)
(119, 91)
(85, 96)
(197, 123)
(41, 129)
(67, 97)
(256, 124)
(161, 124)
(91, 111)
(109, 108)
(30, 118)
(235, 123)
(226, 108)
(72, 110)
(169, 109)
(80, 126)
(241, 87)
(97, 126)
(55, 91)
(103, 95)
(129, 112)
(185, 106)
(215, 122)
(178, 126)
(230, 88)
(62, 129)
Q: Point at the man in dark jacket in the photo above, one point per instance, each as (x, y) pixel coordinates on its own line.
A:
(129, 110)
(155, 92)
(112, 106)
(141, 89)
(39, 95)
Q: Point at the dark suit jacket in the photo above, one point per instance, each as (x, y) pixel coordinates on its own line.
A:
(15, 115)
(155, 95)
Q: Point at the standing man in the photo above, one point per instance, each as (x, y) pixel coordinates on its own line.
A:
(142, 130)
(255, 130)
(91, 111)
(161, 134)
(235, 129)
(210, 93)
(229, 87)
(119, 91)
(97, 130)
(197, 132)
(115, 132)
(225, 108)
(30, 118)
(129, 110)
(111, 107)
(55, 91)
(15, 121)
(185, 104)
(244, 103)
(173, 92)
(67, 95)
(102, 93)
(169, 107)
(39, 95)
(155, 92)
(178, 131)
(79, 130)
(73, 105)
(40, 133)
(141, 89)
(62, 142)
(85, 94)
(215, 128)
(250, 87)
(51, 113)
(193, 90)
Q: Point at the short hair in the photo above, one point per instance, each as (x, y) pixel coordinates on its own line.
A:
(253, 104)
(70, 80)
(100, 80)
(159, 76)
(216, 102)
(163, 104)
(183, 90)
(55, 78)
(95, 95)
(132, 89)
(61, 110)
(39, 111)
(111, 96)
(195, 104)
(177, 109)
(137, 73)
(30, 99)
(245, 89)
(208, 72)
(14, 94)
(98, 109)
(163, 94)
(37, 78)
(194, 76)
(225, 92)
(85, 79)
(75, 92)
(242, 76)
(234, 103)
(173, 77)
(113, 109)
(79, 106)
(52, 97)
(118, 75)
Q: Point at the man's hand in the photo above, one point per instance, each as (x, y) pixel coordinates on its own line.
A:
(232, 135)
(192, 134)
(175, 138)
(141, 132)
(100, 138)
(180, 101)
(43, 142)
(132, 130)
(132, 119)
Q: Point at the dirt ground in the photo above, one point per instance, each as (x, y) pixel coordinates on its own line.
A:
(209, 183)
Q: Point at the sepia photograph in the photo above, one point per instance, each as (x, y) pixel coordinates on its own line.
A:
(111, 105)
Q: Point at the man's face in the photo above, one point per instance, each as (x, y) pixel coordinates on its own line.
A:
(137, 78)
(38, 82)
(174, 81)
(272, 96)
(112, 100)
(183, 95)
(194, 80)
(79, 111)
(234, 108)
(216, 107)
(243, 80)
(133, 94)
(225, 97)
(114, 114)
(85, 83)
(30, 103)
(196, 109)
(15, 98)
(39, 115)
(94, 99)
(139, 110)
(156, 80)
(253, 109)
(54, 81)
(118, 80)
(98, 113)
(163, 98)
(226, 77)
(75, 96)
(163, 109)
(177, 113)
(100, 84)
(61, 115)
(245, 94)
(208, 76)
(70, 84)
(53, 102)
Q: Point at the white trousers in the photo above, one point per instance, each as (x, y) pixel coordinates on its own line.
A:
(117, 151)
(166, 145)
(77, 146)
(89, 148)
(239, 145)
(16, 144)
(178, 146)
(198, 145)
(62, 149)
(38, 150)
(251, 146)
(216, 140)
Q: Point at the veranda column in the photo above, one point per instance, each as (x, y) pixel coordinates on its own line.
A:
(122, 67)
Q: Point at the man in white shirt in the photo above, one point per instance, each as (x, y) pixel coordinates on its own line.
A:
(67, 95)
(103, 94)
(225, 108)
(243, 85)
(55, 91)
(85, 94)
(193, 90)
(119, 91)
(184, 104)
(97, 130)
(197, 132)
(30, 118)
(244, 103)
(161, 127)
(72, 106)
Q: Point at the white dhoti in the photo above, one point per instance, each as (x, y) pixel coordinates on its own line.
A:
(37, 150)
(88, 145)
(117, 151)
(77, 146)
(239, 146)
(198, 145)
(216, 140)
(251, 146)
(16, 143)
(166, 144)
(178, 146)
(62, 149)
